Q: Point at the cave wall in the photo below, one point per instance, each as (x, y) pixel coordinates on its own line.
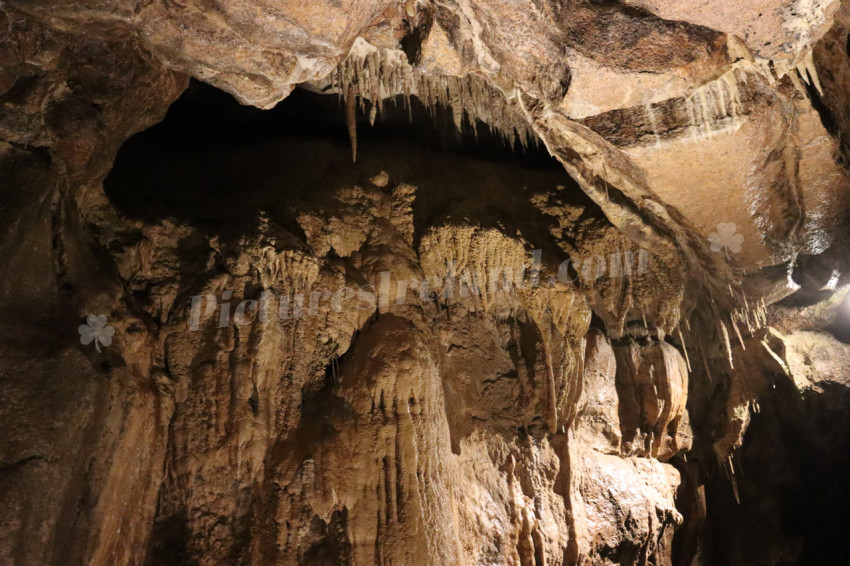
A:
(540, 414)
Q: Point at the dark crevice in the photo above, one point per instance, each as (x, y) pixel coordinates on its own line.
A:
(417, 32)
(826, 116)
(20, 463)
(213, 162)
(840, 325)
(791, 474)
(169, 543)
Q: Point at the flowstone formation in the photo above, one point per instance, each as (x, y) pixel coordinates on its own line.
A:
(424, 282)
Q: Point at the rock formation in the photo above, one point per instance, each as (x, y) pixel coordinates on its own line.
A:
(424, 282)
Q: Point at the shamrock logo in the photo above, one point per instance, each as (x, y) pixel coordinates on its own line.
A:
(96, 330)
(726, 239)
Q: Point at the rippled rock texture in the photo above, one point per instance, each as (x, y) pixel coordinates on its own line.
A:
(462, 282)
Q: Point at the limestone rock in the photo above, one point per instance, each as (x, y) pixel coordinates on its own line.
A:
(597, 315)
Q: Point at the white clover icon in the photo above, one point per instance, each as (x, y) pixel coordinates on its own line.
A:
(96, 330)
(726, 239)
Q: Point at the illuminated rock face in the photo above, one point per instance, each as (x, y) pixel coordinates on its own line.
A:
(601, 323)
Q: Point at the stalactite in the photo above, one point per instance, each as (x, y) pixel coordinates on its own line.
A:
(716, 101)
(351, 119)
(705, 362)
(727, 343)
(808, 71)
(684, 348)
(776, 357)
(650, 113)
(737, 332)
(734, 481)
(374, 74)
(803, 67)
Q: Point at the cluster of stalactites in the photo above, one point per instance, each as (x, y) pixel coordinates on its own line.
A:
(277, 258)
(484, 259)
(375, 74)
(804, 66)
(715, 106)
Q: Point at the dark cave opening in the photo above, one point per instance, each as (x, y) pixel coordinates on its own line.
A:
(791, 474)
(164, 164)
(216, 164)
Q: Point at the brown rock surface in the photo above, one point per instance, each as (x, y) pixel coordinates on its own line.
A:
(580, 300)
